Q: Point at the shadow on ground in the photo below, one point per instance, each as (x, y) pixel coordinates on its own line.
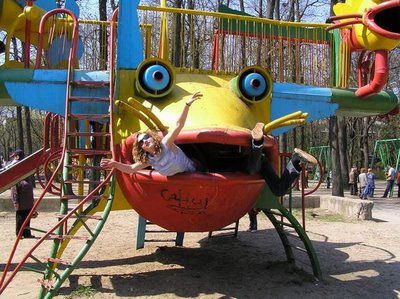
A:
(247, 267)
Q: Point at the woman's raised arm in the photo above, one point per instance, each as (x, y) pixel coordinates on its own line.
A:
(169, 139)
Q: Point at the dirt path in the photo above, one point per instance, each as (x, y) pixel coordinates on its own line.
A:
(359, 259)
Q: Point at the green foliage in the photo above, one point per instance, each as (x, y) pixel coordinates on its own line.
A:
(390, 129)
(82, 291)
(9, 130)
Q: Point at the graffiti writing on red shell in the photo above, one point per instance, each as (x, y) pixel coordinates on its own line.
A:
(184, 202)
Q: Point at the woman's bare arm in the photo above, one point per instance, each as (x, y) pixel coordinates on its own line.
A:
(169, 139)
(127, 168)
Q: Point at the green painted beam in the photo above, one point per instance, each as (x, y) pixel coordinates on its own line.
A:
(351, 105)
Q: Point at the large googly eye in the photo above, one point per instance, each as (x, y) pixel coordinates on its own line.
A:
(253, 84)
(155, 78)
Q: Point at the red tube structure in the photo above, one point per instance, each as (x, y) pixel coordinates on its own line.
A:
(380, 76)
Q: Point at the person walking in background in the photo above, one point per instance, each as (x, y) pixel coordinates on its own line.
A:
(22, 198)
(328, 179)
(356, 174)
(306, 177)
(389, 180)
(370, 183)
(253, 220)
(16, 156)
(353, 181)
(362, 178)
(398, 183)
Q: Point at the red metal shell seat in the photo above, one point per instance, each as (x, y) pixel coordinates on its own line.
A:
(193, 202)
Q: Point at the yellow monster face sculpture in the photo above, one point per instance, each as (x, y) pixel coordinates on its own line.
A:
(217, 134)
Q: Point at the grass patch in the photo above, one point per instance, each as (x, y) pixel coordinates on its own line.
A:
(319, 214)
(82, 291)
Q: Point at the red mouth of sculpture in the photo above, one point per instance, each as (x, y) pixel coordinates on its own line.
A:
(383, 19)
(201, 201)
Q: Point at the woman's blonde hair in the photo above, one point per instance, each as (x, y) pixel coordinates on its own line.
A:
(139, 155)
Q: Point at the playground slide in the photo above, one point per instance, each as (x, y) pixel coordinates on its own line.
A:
(19, 171)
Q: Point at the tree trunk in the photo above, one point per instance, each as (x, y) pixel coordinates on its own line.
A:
(342, 142)
(292, 48)
(20, 128)
(298, 15)
(365, 145)
(103, 40)
(358, 153)
(243, 41)
(337, 186)
(283, 143)
(259, 41)
(113, 5)
(177, 43)
(271, 9)
(311, 133)
(277, 10)
(351, 133)
(29, 139)
(292, 12)
(28, 129)
(294, 137)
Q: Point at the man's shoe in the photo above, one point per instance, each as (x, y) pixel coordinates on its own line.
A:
(305, 157)
(258, 132)
(30, 237)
